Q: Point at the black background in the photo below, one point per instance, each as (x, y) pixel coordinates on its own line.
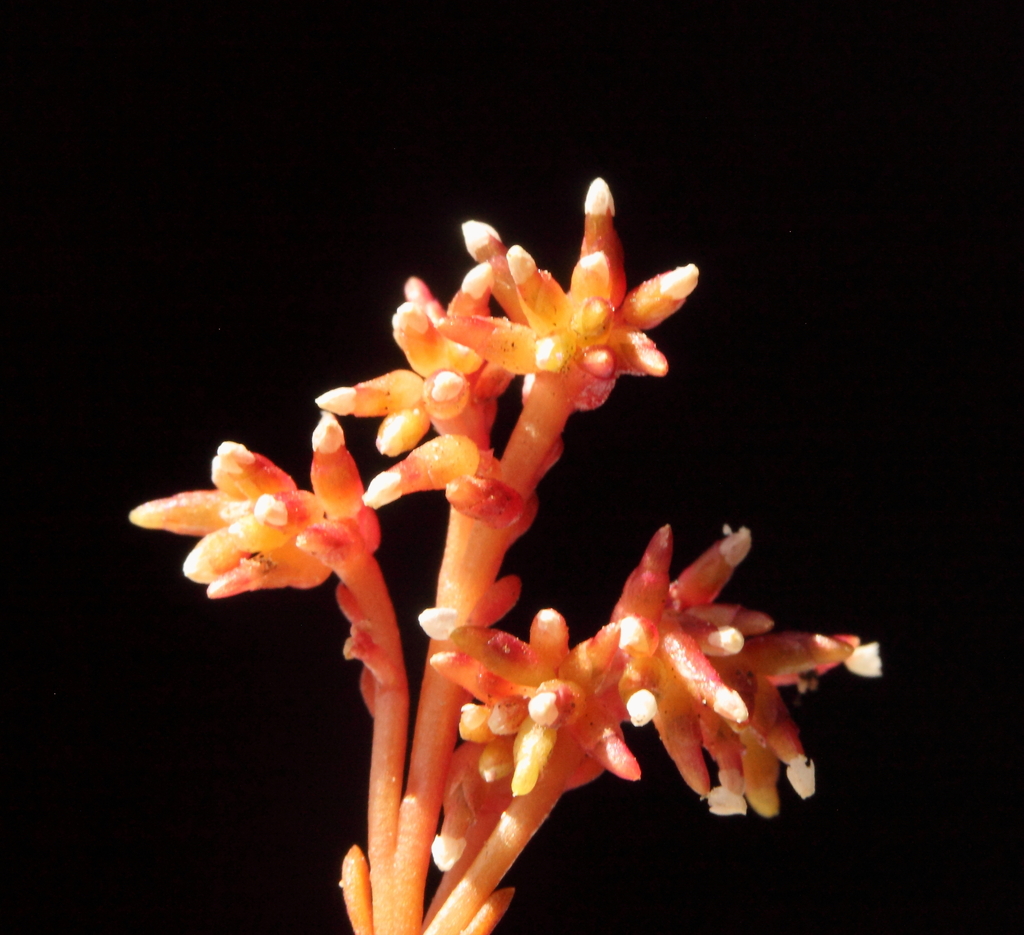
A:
(213, 216)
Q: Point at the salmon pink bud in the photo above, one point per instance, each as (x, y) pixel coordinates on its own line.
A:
(214, 555)
(509, 345)
(497, 601)
(195, 513)
(429, 467)
(334, 474)
(334, 542)
(490, 501)
(285, 567)
(549, 637)
(507, 715)
(705, 578)
(599, 362)
(651, 302)
(482, 240)
(244, 474)
(637, 354)
(646, 588)
(503, 654)
(599, 236)
(591, 278)
(399, 389)
(402, 431)
(464, 670)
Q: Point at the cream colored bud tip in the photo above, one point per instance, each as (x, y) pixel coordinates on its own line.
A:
(680, 282)
(232, 457)
(599, 199)
(478, 280)
(730, 705)
(543, 708)
(478, 236)
(735, 546)
(633, 636)
(642, 706)
(328, 436)
(438, 622)
(800, 773)
(727, 640)
(386, 487)
(341, 401)
(446, 385)
(520, 264)
(446, 851)
(724, 801)
(865, 661)
(269, 511)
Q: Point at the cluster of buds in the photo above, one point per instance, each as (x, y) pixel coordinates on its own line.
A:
(258, 529)
(705, 673)
(463, 358)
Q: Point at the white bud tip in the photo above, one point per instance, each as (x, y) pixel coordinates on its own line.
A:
(478, 280)
(642, 706)
(197, 568)
(594, 262)
(549, 617)
(726, 530)
(729, 705)
(341, 401)
(724, 801)
(543, 708)
(520, 264)
(385, 488)
(865, 661)
(410, 317)
(599, 199)
(269, 511)
(438, 622)
(327, 436)
(633, 637)
(446, 385)
(446, 852)
(727, 640)
(231, 456)
(735, 546)
(477, 236)
(680, 282)
(800, 773)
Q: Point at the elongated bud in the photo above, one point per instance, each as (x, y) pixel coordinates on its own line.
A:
(546, 306)
(791, 652)
(402, 431)
(705, 578)
(599, 236)
(214, 555)
(637, 354)
(681, 651)
(334, 475)
(194, 513)
(748, 622)
(549, 637)
(497, 601)
(760, 776)
(482, 240)
(503, 654)
(497, 340)
(591, 278)
(284, 567)
(651, 302)
(531, 751)
(244, 474)
(400, 389)
(429, 467)
(646, 588)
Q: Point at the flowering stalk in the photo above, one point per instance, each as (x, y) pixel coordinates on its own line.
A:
(546, 716)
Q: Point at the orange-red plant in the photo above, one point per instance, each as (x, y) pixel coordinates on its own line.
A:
(546, 716)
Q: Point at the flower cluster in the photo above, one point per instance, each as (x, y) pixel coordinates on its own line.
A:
(705, 673)
(258, 529)
(548, 716)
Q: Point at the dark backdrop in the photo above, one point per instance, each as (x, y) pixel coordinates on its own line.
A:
(213, 217)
